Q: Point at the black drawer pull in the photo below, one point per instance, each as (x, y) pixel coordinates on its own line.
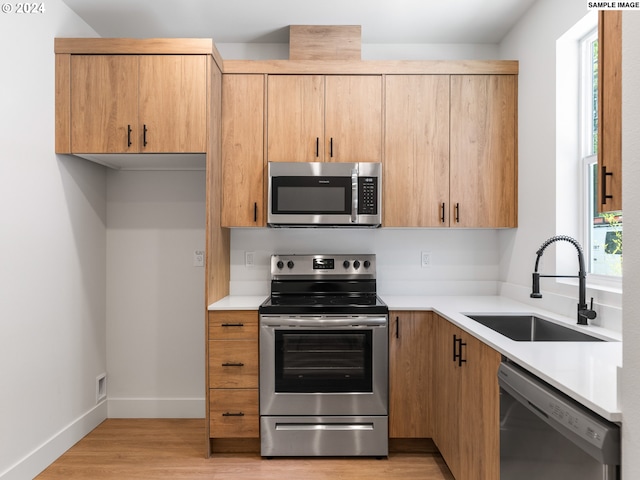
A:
(231, 364)
(233, 324)
(603, 183)
(230, 414)
(144, 135)
(128, 135)
(442, 212)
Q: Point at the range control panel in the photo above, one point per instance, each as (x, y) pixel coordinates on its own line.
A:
(314, 266)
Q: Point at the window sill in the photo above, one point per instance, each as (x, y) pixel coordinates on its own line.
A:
(601, 283)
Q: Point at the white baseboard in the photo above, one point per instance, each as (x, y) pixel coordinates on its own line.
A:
(44, 455)
(156, 407)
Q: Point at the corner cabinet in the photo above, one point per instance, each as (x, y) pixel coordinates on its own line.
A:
(410, 372)
(451, 151)
(232, 377)
(243, 165)
(467, 426)
(332, 118)
(137, 104)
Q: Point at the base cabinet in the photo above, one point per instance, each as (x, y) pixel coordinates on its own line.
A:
(466, 399)
(232, 375)
(410, 371)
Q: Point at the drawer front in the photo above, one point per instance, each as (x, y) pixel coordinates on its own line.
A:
(233, 325)
(233, 364)
(233, 413)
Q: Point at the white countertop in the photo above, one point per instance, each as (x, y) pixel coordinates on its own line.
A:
(585, 371)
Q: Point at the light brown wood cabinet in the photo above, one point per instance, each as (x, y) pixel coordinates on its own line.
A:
(416, 161)
(243, 165)
(450, 151)
(333, 118)
(138, 103)
(609, 111)
(232, 375)
(466, 399)
(410, 374)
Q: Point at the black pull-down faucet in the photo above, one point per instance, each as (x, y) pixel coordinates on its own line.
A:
(584, 312)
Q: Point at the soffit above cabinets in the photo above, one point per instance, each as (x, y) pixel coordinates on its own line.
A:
(149, 161)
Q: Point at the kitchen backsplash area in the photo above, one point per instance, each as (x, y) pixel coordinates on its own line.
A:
(460, 262)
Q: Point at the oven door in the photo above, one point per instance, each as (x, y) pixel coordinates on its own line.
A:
(323, 365)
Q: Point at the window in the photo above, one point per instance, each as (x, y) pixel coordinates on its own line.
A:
(603, 232)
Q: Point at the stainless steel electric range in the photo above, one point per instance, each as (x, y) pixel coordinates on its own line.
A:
(323, 358)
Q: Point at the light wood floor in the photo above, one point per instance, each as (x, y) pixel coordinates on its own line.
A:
(174, 449)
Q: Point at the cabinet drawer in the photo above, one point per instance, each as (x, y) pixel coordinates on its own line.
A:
(234, 413)
(233, 364)
(233, 325)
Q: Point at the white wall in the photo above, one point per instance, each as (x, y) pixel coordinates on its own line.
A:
(52, 257)
(631, 208)
(155, 295)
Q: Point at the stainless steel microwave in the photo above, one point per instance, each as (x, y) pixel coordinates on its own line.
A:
(324, 194)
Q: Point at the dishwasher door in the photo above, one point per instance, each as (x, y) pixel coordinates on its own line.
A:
(545, 435)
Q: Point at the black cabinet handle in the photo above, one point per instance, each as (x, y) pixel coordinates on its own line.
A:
(442, 212)
(457, 350)
(603, 184)
(317, 147)
(397, 327)
(230, 414)
(144, 135)
(233, 324)
(232, 364)
(457, 213)
(128, 135)
(255, 211)
(331, 147)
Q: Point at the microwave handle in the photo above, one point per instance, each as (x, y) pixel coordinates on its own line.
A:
(354, 195)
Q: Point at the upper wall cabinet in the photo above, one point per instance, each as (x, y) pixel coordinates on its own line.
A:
(243, 198)
(483, 151)
(313, 118)
(134, 104)
(450, 151)
(610, 111)
(416, 161)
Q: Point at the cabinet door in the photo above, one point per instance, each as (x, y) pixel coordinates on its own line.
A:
(295, 112)
(610, 110)
(416, 160)
(173, 103)
(104, 103)
(243, 151)
(479, 405)
(410, 370)
(483, 178)
(447, 394)
(353, 118)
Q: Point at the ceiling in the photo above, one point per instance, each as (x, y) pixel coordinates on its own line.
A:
(267, 21)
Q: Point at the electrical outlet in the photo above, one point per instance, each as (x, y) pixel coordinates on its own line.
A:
(198, 258)
(249, 259)
(425, 259)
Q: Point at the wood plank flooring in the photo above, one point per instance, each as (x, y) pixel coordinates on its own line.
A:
(174, 449)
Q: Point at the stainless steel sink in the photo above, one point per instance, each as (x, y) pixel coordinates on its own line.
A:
(529, 328)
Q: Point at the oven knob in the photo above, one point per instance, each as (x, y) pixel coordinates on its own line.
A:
(346, 264)
(280, 264)
(290, 264)
(367, 264)
(356, 264)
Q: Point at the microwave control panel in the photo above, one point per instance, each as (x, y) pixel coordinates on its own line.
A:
(367, 195)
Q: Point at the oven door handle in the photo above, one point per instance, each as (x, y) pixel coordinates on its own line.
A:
(320, 322)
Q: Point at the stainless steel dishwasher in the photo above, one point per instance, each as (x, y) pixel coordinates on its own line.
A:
(546, 435)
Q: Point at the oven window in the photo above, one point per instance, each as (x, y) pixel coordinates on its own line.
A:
(318, 361)
(313, 195)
